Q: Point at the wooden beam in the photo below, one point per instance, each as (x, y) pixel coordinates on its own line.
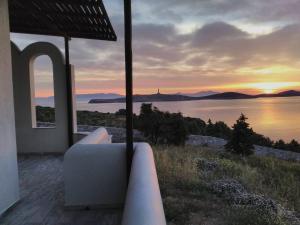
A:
(129, 86)
(74, 35)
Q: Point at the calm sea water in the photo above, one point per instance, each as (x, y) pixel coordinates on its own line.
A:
(277, 118)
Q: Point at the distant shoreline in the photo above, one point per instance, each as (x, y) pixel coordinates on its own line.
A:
(176, 97)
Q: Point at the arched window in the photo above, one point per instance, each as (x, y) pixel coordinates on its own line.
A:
(42, 93)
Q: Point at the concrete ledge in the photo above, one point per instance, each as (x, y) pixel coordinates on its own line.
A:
(95, 172)
(143, 200)
(99, 136)
(95, 175)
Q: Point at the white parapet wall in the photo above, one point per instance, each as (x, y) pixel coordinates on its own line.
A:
(95, 172)
(95, 175)
(143, 199)
(99, 136)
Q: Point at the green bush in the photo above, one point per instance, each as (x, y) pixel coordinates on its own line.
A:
(45, 114)
(241, 141)
(195, 126)
(161, 127)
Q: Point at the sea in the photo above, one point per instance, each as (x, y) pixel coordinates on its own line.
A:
(277, 118)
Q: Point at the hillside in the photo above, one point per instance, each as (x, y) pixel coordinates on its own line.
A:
(229, 95)
(199, 94)
(88, 97)
(290, 93)
(201, 186)
(147, 98)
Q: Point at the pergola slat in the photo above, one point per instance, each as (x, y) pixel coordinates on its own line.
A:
(72, 18)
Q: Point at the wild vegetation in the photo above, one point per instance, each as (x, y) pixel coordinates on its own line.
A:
(165, 127)
(47, 114)
(161, 127)
(201, 186)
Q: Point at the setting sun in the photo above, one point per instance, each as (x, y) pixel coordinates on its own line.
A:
(268, 91)
(272, 87)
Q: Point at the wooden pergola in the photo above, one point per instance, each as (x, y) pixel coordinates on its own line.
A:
(86, 19)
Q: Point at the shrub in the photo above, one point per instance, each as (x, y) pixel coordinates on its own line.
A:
(161, 127)
(279, 144)
(218, 129)
(121, 112)
(294, 146)
(195, 125)
(45, 114)
(222, 130)
(259, 139)
(241, 140)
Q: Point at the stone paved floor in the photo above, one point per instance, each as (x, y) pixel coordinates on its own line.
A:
(42, 198)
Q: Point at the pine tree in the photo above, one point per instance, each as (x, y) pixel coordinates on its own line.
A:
(241, 140)
(210, 128)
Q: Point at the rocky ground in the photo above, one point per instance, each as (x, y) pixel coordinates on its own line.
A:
(218, 144)
(238, 196)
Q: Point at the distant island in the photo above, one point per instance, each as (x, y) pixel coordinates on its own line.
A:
(158, 97)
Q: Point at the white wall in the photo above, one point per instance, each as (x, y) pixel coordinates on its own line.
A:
(9, 191)
(95, 175)
(95, 172)
(29, 138)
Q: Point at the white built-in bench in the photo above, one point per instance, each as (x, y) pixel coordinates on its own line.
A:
(95, 175)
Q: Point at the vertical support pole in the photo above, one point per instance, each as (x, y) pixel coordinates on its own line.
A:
(128, 68)
(69, 91)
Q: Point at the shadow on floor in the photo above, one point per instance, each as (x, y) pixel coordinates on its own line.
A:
(42, 197)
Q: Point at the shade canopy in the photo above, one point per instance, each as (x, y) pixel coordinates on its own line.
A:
(69, 18)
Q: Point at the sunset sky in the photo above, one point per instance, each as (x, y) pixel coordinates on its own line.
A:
(189, 46)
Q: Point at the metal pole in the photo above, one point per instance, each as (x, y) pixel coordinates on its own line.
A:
(69, 92)
(128, 68)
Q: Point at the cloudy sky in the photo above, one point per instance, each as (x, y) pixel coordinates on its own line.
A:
(189, 46)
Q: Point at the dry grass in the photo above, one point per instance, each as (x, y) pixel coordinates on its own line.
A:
(188, 200)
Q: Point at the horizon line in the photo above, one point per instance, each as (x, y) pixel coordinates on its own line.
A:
(176, 93)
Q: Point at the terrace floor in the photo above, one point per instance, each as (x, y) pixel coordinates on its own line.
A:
(42, 198)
